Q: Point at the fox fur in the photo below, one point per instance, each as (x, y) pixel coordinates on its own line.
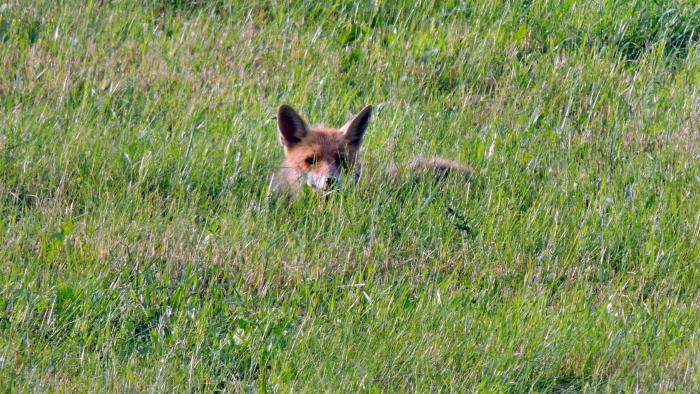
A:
(321, 157)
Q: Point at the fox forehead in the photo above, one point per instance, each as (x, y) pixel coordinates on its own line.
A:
(320, 142)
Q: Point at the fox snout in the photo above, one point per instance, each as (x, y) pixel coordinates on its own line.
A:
(324, 179)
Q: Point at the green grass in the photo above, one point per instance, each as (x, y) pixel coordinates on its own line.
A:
(140, 250)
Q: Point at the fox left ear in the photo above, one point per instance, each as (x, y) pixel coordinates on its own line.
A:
(355, 128)
(291, 126)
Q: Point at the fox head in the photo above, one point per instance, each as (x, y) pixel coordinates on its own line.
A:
(320, 157)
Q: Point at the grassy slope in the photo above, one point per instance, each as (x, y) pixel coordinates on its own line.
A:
(140, 251)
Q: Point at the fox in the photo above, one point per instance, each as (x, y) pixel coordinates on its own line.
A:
(322, 157)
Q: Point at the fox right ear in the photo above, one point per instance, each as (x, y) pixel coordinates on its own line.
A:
(355, 128)
(291, 126)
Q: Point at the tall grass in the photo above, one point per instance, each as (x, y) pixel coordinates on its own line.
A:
(141, 250)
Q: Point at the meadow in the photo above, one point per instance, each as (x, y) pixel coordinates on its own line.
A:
(141, 250)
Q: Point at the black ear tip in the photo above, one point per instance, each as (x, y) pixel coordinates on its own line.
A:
(285, 109)
(365, 114)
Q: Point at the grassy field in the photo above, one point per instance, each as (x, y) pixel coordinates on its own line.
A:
(142, 252)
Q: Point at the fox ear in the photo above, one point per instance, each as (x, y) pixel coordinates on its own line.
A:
(291, 126)
(355, 128)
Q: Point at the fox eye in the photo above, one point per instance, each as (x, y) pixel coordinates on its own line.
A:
(311, 160)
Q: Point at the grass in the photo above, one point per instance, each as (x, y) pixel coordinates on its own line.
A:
(141, 252)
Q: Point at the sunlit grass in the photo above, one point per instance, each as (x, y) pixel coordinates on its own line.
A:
(141, 250)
